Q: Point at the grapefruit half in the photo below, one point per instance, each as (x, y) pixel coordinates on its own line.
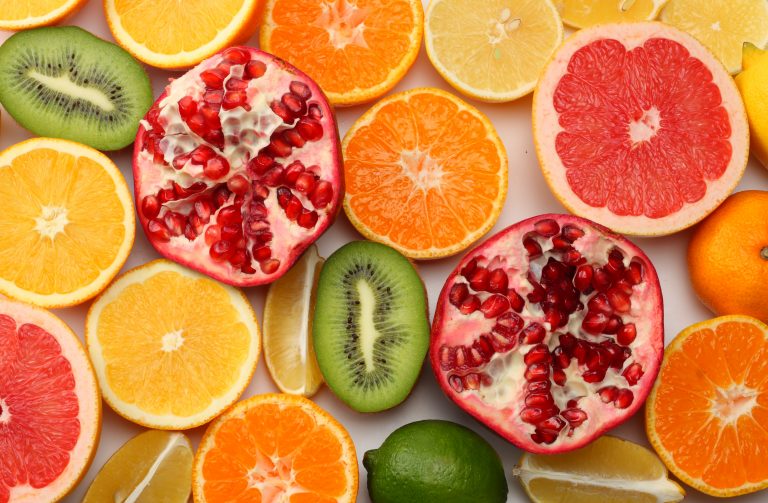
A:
(639, 127)
(50, 407)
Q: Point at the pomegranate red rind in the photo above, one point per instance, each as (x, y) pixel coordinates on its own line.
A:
(550, 332)
(639, 127)
(237, 167)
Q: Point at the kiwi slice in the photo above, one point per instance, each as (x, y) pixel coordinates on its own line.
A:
(63, 82)
(370, 327)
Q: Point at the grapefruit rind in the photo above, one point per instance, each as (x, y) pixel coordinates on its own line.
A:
(546, 127)
(650, 413)
(89, 401)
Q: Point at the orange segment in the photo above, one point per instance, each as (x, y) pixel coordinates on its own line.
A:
(273, 446)
(706, 412)
(427, 155)
(356, 51)
(25, 14)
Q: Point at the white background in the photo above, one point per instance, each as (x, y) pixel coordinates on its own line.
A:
(528, 195)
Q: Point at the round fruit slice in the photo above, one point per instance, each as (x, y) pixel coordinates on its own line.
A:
(609, 469)
(171, 348)
(426, 173)
(723, 27)
(753, 83)
(551, 332)
(492, 50)
(357, 50)
(288, 347)
(25, 14)
(274, 448)
(152, 466)
(237, 167)
(50, 408)
(638, 127)
(584, 13)
(67, 220)
(713, 385)
(173, 34)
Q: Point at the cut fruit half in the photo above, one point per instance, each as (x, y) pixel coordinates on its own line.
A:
(288, 348)
(172, 348)
(25, 14)
(585, 13)
(492, 50)
(639, 127)
(609, 470)
(707, 412)
(50, 407)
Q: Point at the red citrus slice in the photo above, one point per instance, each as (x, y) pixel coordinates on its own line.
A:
(50, 408)
(639, 127)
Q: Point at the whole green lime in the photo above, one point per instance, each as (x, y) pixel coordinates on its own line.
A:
(435, 461)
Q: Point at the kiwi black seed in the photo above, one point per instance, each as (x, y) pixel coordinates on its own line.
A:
(370, 327)
(63, 82)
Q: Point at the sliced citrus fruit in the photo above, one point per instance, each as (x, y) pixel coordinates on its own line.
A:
(584, 13)
(174, 34)
(275, 447)
(639, 127)
(492, 50)
(288, 348)
(707, 412)
(753, 85)
(426, 173)
(723, 27)
(152, 466)
(356, 51)
(50, 408)
(25, 14)
(66, 222)
(609, 470)
(171, 348)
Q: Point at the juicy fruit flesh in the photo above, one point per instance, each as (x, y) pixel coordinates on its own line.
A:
(237, 171)
(556, 326)
(644, 129)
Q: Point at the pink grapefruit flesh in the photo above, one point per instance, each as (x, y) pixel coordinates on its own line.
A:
(50, 407)
(639, 127)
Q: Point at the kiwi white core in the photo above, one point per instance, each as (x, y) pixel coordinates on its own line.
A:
(173, 341)
(64, 85)
(368, 332)
(52, 221)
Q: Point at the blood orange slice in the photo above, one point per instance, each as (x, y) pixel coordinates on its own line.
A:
(50, 408)
(639, 127)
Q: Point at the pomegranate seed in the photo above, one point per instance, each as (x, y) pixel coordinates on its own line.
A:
(560, 243)
(166, 195)
(620, 357)
(294, 104)
(508, 325)
(278, 147)
(538, 294)
(458, 293)
(203, 209)
(533, 415)
(212, 234)
(238, 258)
(515, 300)
(175, 223)
(315, 112)
(580, 351)
(475, 359)
(541, 400)
(321, 195)
(554, 317)
(461, 356)
(447, 357)
(215, 138)
(221, 250)
(292, 172)
(468, 269)
(494, 305)
(567, 342)
(615, 265)
(634, 273)
(483, 346)
(544, 436)
(537, 372)
(213, 98)
(626, 334)
(594, 322)
(498, 281)
(305, 183)
(546, 227)
(633, 373)
(619, 300)
(261, 253)
(456, 383)
(599, 304)
(532, 247)
(583, 279)
(552, 271)
(470, 305)
(572, 257)
(613, 325)
(575, 417)
(197, 124)
(180, 160)
(150, 207)
(554, 423)
(309, 129)
(601, 280)
(572, 233)
(183, 193)
(472, 381)
(539, 386)
(307, 219)
(300, 89)
(263, 236)
(231, 233)
(293, 210)
(202, 154)
(608, 394)
(158, 231)
(598, 359)
(480, 279)
(561, 358)
(293, 138)
(624, 399)
(238, 184)
(270, 266)
(282, 111)
(532, 334)
(187, 107)
(237, 56)
(538, 354)
(558, 376)
(234, 84)
(260, 164)
(593, 376)
(273, 177)
(234, 99)
(229, 215)
(216, 168)
(255, 69)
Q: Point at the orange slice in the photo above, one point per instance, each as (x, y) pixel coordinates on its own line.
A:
(275, 448)
(426, 173)
(707, 412)
(66, 222)
(356, 51)
(25, 14)
(174, 34)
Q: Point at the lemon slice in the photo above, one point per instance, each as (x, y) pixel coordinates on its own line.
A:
(583, 13)
(609, 470)
(152, 466)
(492, 50)
(723, 27)
(288, 310)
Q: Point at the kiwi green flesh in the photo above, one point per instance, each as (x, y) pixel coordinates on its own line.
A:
(63, 82)
(370, 327)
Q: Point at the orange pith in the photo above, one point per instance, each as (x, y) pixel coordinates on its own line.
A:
(706, 413)
(356, 50)
(272, 446)
(426, 173)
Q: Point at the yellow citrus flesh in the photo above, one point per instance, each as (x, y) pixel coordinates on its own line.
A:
(723, 27)
(753, 85)
(583, 13)
(288, 309)
(609, 470)
(25, 14)
(174, 34)
(492, 50)
(172, 348)
(66, 222)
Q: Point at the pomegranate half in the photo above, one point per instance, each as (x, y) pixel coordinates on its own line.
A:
(551, 332)
(237, 167)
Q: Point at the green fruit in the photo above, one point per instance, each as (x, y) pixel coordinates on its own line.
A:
(435, 461)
